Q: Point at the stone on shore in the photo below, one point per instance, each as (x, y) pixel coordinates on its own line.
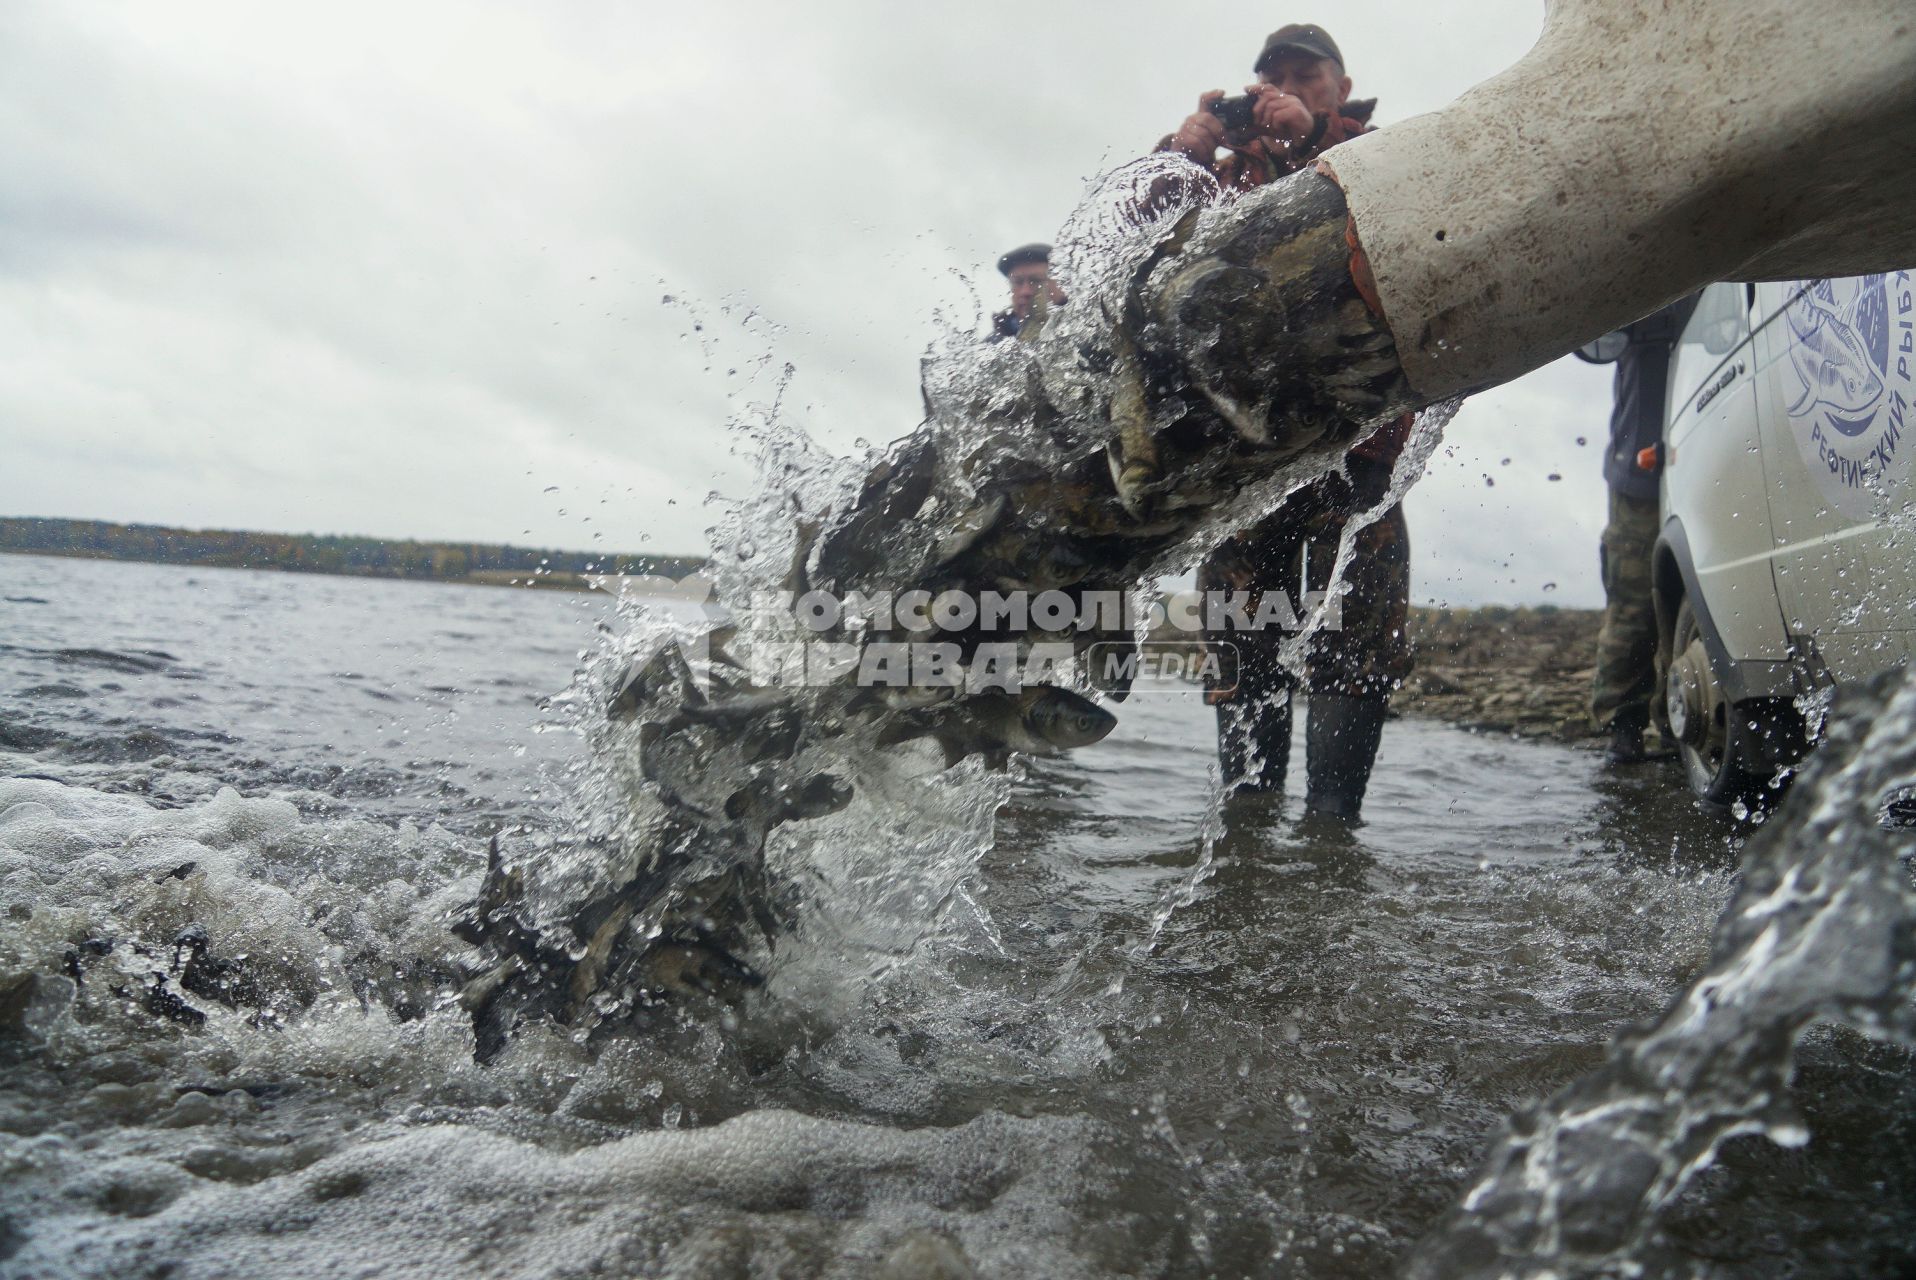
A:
(1496, 669)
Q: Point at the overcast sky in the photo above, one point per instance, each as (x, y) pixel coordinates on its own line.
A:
(403, 269)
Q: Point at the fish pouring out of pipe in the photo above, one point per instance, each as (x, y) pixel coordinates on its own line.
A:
(1213, 359)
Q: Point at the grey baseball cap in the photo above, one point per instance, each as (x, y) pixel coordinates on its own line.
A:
(1022, 254)
(1298, 37)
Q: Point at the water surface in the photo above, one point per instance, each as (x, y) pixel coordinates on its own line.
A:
(1143, 1035)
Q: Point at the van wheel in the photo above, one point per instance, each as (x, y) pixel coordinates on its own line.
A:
(1705, 725)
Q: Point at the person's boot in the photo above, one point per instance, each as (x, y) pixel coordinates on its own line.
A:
(1254, 743)
(1626, 740)
(1340, 741)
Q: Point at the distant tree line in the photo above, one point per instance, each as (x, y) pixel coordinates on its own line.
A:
(313, 553)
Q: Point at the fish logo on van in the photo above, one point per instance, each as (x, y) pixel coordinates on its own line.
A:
(1828, 350)
(1852, 345)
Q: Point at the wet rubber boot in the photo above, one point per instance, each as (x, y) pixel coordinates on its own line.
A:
(1263, 742)
(1626, 739)
(1341, 740)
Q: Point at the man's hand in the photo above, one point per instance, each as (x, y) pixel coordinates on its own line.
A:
(1202, 133)
(1279, 115)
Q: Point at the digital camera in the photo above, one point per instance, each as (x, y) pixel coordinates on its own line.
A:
(1238, 114)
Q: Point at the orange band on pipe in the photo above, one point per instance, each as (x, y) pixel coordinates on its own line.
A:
(1361, 274)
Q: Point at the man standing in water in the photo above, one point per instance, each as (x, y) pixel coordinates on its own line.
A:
(1028, 268)
(1302, 107)
(1624, 689)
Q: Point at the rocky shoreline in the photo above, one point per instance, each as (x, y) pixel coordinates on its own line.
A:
(1524, 671)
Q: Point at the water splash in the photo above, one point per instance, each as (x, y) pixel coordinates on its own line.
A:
(1184, 892)
(1824, 926)
(1113, 442)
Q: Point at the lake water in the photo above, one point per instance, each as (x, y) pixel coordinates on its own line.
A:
(1142, 1036)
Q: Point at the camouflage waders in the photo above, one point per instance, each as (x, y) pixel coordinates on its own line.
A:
(1365, 653)
(1626, 682)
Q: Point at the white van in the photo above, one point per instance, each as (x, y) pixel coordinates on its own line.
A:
(1787, 561)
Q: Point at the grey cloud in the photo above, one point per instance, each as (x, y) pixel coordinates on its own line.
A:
(398, 271)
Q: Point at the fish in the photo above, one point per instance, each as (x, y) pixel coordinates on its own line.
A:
(913, 697)
(1136, 468)
(1110, 450)
(155, 977)
(1039, 720)
(1830, 358)
(660, 674)
(492, 913)
(1051, 720)
(968, 528)
(627, 950)
(215, 977)
(878, 529)
(696, 966)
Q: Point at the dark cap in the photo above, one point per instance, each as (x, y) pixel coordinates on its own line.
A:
(1022, 254)
(1298, 37)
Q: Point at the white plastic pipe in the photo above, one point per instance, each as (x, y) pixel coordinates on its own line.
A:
(1641, 149)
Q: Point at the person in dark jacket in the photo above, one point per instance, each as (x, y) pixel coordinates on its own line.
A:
(1303, 107)
(1028, 268)
(1624, 690)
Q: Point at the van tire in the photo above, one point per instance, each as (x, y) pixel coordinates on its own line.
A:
(1708, 728)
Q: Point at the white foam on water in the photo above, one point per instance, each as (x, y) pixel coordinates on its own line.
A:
(768, 1193)
(312, 1131)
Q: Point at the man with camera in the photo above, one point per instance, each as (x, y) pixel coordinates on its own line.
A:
(1299, 108)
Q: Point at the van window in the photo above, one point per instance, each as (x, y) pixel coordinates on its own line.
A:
(1720, 322)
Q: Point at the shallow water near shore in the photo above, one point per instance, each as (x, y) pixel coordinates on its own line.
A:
(1145, 1034)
